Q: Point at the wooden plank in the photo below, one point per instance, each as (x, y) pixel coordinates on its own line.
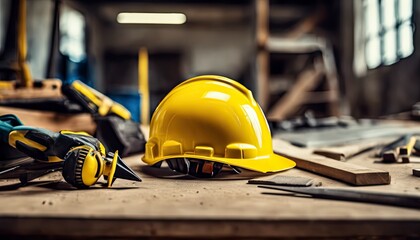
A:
(346, 172)
(289, 104)
(196, 208)
(307, 24)
(277, 44)
(50, 88)
(262, 65)
(52, 120)
(262, 54)
(262, 17)
(202, 228)
(347, 151)
(307, 45)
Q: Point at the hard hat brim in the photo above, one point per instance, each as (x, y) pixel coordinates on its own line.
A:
(264, 164)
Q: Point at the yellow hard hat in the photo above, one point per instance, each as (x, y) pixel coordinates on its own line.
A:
(216, 119)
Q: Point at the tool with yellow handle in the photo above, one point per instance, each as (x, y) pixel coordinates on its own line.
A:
(82, 158)
(115, 127)
(93, 101)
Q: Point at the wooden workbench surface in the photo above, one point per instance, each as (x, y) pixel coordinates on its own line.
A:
(194, 208)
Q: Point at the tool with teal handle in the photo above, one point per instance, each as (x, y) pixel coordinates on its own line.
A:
(82, 158)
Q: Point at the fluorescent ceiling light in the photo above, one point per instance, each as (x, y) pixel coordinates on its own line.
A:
(151, 18)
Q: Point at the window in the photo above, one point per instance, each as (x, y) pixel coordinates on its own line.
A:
(72, 34)
(388, 31)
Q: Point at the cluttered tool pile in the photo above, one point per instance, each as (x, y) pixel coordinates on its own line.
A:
(205, 127)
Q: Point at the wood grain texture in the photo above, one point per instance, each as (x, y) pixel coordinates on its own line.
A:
(346, 172)
(52, 120)
(50, 89)
(196, 208)
(348, 151)
(204, 228)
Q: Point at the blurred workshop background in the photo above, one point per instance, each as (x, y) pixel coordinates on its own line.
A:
(330, 57)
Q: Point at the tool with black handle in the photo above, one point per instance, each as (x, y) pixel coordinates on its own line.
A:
(395, 199)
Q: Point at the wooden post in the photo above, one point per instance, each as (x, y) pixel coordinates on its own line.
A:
(25, 73)
(262, 58)
(144, 85)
